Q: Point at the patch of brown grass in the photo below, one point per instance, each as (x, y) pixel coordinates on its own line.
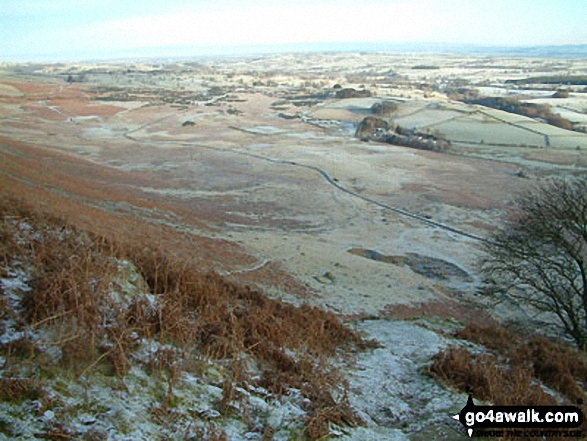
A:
(445, 308)
(560, 367)
(556, 364)
(20, 388)
(505, 381)
(507, 373)
(73, 274)
(289, 342)
(487, 379)
(109, 202)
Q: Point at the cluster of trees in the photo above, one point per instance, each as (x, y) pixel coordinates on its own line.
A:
(576, 80)
(531, 110)
(370, 127)
(419, 140)
(512, 105)
(377, 129)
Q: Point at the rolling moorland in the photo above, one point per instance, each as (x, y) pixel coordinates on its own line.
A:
(276, 247)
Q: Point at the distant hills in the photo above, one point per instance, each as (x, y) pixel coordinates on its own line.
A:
(560, 51)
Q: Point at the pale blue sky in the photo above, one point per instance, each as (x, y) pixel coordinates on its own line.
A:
(61, 29)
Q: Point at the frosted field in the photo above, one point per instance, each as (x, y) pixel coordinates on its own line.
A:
(571, 114)
(500, 115)
(547, 129)
(568, 142)
(353, 103)
(489, 126)
(511, 92)
(573, 108)
(428, 117)
(473, 130)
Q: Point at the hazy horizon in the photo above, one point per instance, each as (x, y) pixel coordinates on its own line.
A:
(68, 30)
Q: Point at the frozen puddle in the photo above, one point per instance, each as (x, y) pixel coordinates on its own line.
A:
(391, 391)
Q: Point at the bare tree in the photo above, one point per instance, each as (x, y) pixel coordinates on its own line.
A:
(540, 258)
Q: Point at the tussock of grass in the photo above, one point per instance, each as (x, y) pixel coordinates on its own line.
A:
(559, 367)
(77, 298)
(20, 388)
(556, 364)
(487, 379)
(507, 374)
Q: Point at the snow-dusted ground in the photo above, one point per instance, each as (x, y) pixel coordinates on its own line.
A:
(141, 406)
(389, 389)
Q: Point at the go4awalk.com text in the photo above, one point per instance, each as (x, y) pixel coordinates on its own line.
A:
(561, 421)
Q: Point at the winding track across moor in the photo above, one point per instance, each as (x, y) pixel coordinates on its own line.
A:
(332, 182)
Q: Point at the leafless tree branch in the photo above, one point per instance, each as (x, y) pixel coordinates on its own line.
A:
(540, 257)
